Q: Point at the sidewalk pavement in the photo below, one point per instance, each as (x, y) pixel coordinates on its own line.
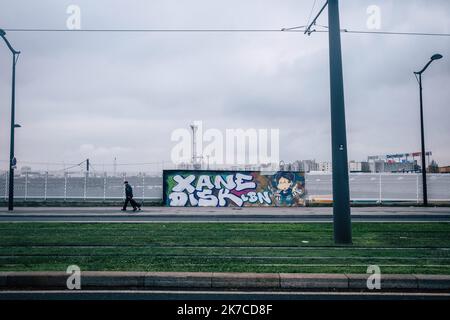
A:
(189, 211)
(93, 280)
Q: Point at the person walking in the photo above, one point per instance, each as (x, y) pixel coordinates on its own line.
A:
(129, 198)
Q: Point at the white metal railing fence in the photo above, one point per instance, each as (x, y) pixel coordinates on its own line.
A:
(377, 187)
(381, 187)
(83, 187)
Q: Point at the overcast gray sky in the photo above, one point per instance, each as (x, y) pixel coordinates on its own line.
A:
(101, 95)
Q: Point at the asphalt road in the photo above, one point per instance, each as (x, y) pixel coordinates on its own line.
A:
(213, 295)
(266, 214)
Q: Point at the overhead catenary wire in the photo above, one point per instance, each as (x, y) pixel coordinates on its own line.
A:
(138, 30)
(299, 29)
(310, 13)
(93, 167)
(43, 163)
(73, 165)
(308, 30)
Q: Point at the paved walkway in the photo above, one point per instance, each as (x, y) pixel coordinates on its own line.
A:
(264, 214)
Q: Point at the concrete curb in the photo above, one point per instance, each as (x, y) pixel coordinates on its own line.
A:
(245, 281)
(313, 281)
(184, 280)
(228, 281)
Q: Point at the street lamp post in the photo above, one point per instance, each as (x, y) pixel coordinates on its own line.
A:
(418, 75)
(12, 161)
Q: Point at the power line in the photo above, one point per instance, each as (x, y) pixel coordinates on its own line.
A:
(141, 163)
(299, 29)
(311, 12)
(140, 30)
(42, 163)
(398, 33)
(73, 165)
(308, 28)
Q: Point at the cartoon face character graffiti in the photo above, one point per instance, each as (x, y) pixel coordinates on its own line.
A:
(287, 190)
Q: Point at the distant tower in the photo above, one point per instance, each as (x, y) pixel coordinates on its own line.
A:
(115, 166)
(194, 128)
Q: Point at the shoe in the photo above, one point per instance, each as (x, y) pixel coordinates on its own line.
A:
(139, 208)
(134, 210)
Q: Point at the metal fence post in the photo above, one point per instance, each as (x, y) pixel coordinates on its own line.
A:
(45, 185)
(65, 186)
(26, 186)
(6, 185)
(143, 186)
(104, 186)
(380, 196)
(85, 186)
(417, 187)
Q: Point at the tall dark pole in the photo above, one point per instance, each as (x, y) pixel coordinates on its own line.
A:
(422, 136)
(15, 55)
(11, 149)
(341, 190)
(418, 75)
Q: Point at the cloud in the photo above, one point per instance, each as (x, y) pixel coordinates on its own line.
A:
(96, 95)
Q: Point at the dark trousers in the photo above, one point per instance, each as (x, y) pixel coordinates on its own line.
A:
(133, 203)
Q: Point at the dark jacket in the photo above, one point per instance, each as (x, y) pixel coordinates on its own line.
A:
(128, 191)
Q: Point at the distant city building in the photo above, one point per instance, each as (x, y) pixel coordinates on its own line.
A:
(25, 169)
(399, 162)
(376, 166)
(358, 166)
(433, 167)
(445, 169)
(268, 167)
(400, 157)
(300, 165)
(296, 165)
(309, 165)
(400, 167)
(392, 166)
(325, 166)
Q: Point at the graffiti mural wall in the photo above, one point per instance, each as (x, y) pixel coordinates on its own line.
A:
(192, 188)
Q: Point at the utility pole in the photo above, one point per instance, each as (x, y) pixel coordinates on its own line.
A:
(341, 188)
(12, 159)
(87, 167)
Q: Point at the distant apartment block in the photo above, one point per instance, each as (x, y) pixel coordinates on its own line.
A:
(358, 166)
(325, 166)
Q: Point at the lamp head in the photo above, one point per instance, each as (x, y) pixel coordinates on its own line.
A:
(2, 32)
(436, 56)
